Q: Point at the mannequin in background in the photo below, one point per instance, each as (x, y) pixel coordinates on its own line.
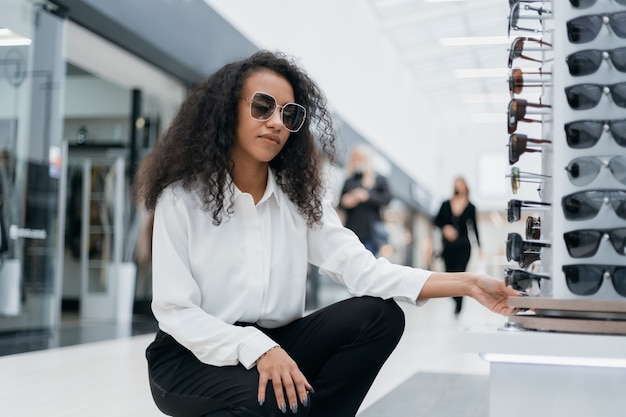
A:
(455, 217)
(363, 196)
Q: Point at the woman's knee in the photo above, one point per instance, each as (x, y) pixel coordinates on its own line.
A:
(383, 315)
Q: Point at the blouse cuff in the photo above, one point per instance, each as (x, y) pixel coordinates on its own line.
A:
(254, 348)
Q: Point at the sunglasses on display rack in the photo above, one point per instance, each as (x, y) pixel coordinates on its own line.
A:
(585, 29)
(524, 252)
(587, 279)
(583, 134)
(588, 61)
(583, 170)
(585, 4)
(518, 177)
(517, 82)
(528, 283)
(518, 144)
(587, 96)
(585, 205)
(517, 110)
(514, 208)
(515, 17)
(533, 228)
(585, 243)
(518, 47)
(263, 106)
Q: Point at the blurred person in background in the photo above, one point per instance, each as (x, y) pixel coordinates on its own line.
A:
(363, 196)
(455, 217)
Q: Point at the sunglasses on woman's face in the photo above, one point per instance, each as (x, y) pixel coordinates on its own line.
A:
(514, 208)
(585, 243)
(585, 205)
(533, 228)
(263, 106)
(518, 46)
(585, 4)
(584, 29)
(583, 134)
(583, 170)
(587, 96)
(518, 144)
(514, 17)
(588, 61)
(528, 283)
(518, 177)
(587, 279)
(523, 251)
(517, 81)
(517, 110)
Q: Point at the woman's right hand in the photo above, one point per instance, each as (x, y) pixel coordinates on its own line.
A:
(277, 366)
(450, 233)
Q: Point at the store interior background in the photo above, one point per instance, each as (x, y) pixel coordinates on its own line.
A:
(430, 109)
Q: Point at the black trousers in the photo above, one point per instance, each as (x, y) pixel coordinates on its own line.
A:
(340, 349)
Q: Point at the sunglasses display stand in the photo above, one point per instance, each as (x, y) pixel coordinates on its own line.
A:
(564, 352)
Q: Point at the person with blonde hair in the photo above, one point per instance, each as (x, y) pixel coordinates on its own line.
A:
(363, 196)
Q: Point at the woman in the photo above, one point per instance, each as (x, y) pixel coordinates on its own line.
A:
(235, 186)
(455, 217)
(363, 195)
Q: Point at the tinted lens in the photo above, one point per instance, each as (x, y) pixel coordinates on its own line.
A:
(584, 62)
(293, 116)
(533, 228)
(515, 179)
(618, 57)
(583, 96)
(618, 202)
(583, 205)
(619, 280)
(514, 247)
(262, 106)
(583, 279)
(618, 131)
(618, 240)
(584, 28)
(618, 92)
(583, 170)
(582, 4)
(618, 24)
(617, 165)
(584, 134)
(582, 243)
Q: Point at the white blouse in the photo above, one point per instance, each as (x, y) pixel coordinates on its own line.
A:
(252, 268)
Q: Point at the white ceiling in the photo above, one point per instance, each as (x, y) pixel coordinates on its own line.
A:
(385, 70)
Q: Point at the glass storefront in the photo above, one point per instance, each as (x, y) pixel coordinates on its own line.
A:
(31, 174)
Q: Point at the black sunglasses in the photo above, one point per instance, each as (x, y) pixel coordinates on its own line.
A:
(517, 81)
(585, 243)
(583, 170)
(588, 95)
(518, 46)
(584, 134)
(518, 144)
(587, 279)
(514, 208)
(588, 61)
(528, 283)
(585, 4)
(584, 29)
(524, 252)
(533, 228)
(514, 16)
(584, 205)
(517, 110)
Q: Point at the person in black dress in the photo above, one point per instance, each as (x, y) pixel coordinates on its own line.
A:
(456, 216)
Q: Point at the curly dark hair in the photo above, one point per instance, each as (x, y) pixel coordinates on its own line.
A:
(196, 147)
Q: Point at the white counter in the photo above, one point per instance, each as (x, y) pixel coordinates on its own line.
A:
(537, 374)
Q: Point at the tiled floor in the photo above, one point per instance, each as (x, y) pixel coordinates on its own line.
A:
(107, 378)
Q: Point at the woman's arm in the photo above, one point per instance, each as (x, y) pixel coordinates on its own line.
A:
(488, 291)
